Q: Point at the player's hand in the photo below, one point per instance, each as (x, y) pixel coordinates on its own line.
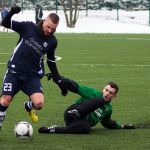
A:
(15, 10)
(128, 126)
(48, 75)
(62, 86)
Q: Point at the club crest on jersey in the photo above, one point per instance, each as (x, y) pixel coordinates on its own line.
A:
(45, 44)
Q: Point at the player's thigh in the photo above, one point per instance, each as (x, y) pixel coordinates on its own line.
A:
(73, 106)
(33, 88)
(32, 85)
(70, 118)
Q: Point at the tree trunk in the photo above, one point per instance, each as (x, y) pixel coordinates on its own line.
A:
(71, 11)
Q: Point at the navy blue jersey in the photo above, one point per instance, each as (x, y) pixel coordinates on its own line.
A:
(29, 53)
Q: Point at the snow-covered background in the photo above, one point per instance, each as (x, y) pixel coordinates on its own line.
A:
(100, 21)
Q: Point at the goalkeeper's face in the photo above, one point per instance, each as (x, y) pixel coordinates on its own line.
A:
(48, 27)
(109, 93)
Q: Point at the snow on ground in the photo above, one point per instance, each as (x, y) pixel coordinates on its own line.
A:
(100, 21)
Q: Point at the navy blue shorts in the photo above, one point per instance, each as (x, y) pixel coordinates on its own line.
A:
(14, 82)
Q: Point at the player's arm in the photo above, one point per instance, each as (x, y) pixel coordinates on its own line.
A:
(56, 77)
(107, 122)
(82, 90)
(70, 84)
(54, 71)
(6, 22)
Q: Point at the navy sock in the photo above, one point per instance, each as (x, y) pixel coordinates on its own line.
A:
(29, 106)
(2, 113)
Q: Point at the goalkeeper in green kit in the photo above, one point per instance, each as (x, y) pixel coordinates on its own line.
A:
(92, 107)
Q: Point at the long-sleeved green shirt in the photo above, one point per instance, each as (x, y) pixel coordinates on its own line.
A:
(102, 114)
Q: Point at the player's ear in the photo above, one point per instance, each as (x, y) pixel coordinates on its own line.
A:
(115, 95)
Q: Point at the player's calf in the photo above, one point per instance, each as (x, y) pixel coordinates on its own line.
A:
(29, 107)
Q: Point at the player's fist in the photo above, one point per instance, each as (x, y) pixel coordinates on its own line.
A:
(63, 87)
(15, 10)
(49, 76)
(128, 126)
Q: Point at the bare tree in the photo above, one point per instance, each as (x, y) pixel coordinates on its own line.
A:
(71, 10)
(3, 3)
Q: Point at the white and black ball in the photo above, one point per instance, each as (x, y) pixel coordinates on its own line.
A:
(23, 130)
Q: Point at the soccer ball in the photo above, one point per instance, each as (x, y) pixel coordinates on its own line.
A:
(23, 130)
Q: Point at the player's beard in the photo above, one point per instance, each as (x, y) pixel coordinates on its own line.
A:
(40, 29)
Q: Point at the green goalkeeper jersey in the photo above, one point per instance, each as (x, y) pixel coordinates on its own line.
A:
(103, 112)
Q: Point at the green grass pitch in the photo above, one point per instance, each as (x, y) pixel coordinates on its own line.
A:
(91, 59)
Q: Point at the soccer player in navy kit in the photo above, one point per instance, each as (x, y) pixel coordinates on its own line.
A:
(26, 67)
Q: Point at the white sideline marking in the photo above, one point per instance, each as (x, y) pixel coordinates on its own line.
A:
(94, 65)
(97, 38)
(114, 65)
(56, 57)
(103, 38)
(5, 53)
(2, 63)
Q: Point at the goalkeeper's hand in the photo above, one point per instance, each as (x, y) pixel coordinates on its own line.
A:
(62, 86)
(128, 126)
(59, 82)
(15, 10)
(49, 76)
